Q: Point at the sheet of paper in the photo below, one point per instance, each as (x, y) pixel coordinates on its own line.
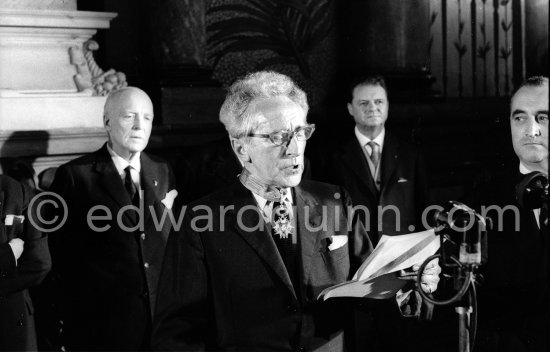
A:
(376, 277)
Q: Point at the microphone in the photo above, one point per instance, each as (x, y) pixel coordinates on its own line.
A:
(451, 212)
(532, 190)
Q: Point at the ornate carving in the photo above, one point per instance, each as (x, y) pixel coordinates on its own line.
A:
(90, 76)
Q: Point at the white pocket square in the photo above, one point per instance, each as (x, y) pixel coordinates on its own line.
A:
(337, 242)
(13, 219)
(168, 201)
(401, 179)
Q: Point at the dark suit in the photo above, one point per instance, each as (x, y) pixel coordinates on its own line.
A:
(229, 289)
(17, 331)
(109, 277)
(514, 302)
(403, 184)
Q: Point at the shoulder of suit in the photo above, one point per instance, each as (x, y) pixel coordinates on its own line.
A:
(321, 190)
(87, 159)
(224, 196)
(14, 188)
(154, 158)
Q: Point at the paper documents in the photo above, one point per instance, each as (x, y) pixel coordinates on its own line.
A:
(376, 277)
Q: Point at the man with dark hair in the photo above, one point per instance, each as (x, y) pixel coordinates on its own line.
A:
(385, 176)
(514, 307)
(381, 172)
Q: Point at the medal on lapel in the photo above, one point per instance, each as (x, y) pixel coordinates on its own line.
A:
(282, 224)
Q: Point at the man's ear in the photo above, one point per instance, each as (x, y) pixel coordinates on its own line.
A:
(106, 121)
(350, 109)
(240, 148)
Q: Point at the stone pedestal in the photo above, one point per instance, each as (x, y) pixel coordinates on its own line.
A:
(38, 90)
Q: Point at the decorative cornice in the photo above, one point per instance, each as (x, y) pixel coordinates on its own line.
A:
(55, 19)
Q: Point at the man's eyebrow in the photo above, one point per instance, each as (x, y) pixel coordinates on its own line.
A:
(518, 111)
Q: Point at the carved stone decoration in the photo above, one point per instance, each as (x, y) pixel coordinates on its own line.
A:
(83, 77)
(90, 76)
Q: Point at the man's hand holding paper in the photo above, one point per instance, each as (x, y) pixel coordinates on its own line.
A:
(429, 279)
(392, 267)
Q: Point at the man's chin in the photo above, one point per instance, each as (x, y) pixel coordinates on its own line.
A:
(292, 180)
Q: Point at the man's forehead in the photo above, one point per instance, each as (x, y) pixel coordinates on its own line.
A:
(360, 91)
(531, 98)
(280, 111)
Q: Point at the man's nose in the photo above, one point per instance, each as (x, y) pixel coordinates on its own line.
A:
(295, 147)
(138, 122)
(533, 128)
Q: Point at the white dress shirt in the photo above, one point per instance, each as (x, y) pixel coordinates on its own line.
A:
(121, 164)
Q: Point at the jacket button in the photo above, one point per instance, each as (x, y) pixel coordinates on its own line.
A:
(20, 322)
(146, 265)
(142, 236)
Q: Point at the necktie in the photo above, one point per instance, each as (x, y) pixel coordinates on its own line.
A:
(131, 186)
(375, 152)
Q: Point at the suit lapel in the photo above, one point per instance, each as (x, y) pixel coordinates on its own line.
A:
(306, 203)
(354, 157)
(3, 235)
(390, 156)
(110, 180)
(149, 183)
(260, 240)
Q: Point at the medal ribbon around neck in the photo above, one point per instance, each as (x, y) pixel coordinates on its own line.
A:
(280, 215)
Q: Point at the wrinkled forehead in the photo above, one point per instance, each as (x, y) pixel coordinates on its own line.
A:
(278, 113)
(530, 98)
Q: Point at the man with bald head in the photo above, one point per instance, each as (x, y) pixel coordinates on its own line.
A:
(109, 252)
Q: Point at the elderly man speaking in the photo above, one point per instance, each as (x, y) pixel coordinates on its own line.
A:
(245, 270)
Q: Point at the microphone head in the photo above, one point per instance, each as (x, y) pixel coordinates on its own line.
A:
(532, 190)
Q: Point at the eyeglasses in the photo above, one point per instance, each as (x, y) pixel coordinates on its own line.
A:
(284, 137)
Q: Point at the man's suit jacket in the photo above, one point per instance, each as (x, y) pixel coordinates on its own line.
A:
(17, 332)
(226, 287)
(109, 274)
(403, 185)
(514, 304)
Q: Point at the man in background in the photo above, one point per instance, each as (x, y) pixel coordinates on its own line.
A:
(386, 176)
(378, 169)
(514, 298)
(108, 260)
(24, 263)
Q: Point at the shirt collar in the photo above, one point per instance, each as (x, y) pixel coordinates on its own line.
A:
(121, 163)
(362, 139)
(262, 201)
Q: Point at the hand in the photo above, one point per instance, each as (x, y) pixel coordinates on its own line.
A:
(17, 245)
(429, 279)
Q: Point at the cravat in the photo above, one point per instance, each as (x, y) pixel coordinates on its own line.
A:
(375, 152)
(131, 186)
